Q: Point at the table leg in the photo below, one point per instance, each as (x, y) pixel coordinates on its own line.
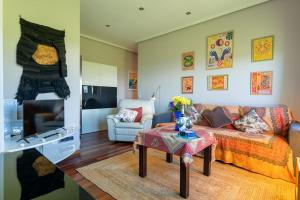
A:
(169, 157)
(207, 161)
(142, 161)
(184, 179)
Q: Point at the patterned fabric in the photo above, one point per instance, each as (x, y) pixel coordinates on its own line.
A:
(251, 123)
(260, 153)
(278, 118)
(139, 115)
(126, 115)
(192, 113)
(166, 139)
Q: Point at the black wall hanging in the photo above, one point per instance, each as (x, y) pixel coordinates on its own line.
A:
(42, 54)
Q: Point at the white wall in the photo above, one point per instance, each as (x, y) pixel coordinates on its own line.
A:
(63, 15)
(96, 74)
(1, 80)
(160, 58)
(1, 103)
(124, 60)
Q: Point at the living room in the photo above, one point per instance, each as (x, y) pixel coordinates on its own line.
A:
(204, 93)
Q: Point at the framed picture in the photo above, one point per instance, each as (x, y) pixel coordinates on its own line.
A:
(261, 83)
(262, 48)
(132, 80)
(217, 82)
(187, 84)
(220, 50)
(188, 60)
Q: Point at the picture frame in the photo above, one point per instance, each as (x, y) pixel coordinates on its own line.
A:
(132, 80)
(217, 82)
(262, 49)
(188, 60)
(219, 54)
(261, 83)
(187, 85)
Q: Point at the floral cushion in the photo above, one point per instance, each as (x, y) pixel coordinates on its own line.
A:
(278, 118)
(126, 115)
(251, 123)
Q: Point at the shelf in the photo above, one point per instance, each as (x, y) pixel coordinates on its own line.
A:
(11, 144)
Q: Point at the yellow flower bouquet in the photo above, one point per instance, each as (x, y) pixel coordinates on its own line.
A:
(179, 102)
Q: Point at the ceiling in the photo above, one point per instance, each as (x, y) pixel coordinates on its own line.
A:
(129, 25)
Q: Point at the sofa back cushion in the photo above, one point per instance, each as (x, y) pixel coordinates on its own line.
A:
(232, 111)
(217, 118)
(277, 117)
(147, 105)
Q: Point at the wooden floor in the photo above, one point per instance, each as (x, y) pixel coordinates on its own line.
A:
(94, 147)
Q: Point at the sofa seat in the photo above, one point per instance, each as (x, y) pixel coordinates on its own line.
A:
(134, 125)
(261, 153)
(265, 154)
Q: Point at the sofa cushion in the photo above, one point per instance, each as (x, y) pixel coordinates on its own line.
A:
(148, 105)
(132, 125)
(126, 115)
(277, 117)
(217, 117)
(251, 123)
(233, 111)
(138, 118)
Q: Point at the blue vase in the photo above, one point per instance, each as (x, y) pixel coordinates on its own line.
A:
(177, 116)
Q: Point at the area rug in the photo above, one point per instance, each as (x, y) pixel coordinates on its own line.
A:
(118, 176)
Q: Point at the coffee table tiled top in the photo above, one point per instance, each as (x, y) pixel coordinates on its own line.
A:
(166, 139)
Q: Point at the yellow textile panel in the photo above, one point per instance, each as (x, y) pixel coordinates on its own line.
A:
(45, 55)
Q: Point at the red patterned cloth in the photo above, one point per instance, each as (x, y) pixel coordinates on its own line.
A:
(277, 117)
(166, 139)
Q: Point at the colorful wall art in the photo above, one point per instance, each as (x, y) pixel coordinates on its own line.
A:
(217, 82)
(188, 60)
(132, 80)
(187, 84)
(220, 50)
(261, 83)
(262, 48)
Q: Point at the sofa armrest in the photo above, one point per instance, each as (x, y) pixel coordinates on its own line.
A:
(165, 117)
(111, 123)
(294, 140)
(112, 117)
(147, 121)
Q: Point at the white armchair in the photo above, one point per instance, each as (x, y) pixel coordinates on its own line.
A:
(124, 131)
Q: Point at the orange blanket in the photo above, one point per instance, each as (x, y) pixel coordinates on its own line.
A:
(263, 154)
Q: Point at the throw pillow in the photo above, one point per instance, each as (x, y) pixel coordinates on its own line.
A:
(139, 116)
(251, 123)
(217, 117)
(126, 115)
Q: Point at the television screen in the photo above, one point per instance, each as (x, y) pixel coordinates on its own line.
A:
(96, 97)
(40, 116)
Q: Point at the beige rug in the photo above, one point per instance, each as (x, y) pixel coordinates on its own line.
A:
(119, 177)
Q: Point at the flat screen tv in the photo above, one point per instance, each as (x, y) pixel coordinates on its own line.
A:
(96, 97)
(40, 116)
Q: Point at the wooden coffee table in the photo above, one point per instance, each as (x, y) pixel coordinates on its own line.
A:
(165, 139)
